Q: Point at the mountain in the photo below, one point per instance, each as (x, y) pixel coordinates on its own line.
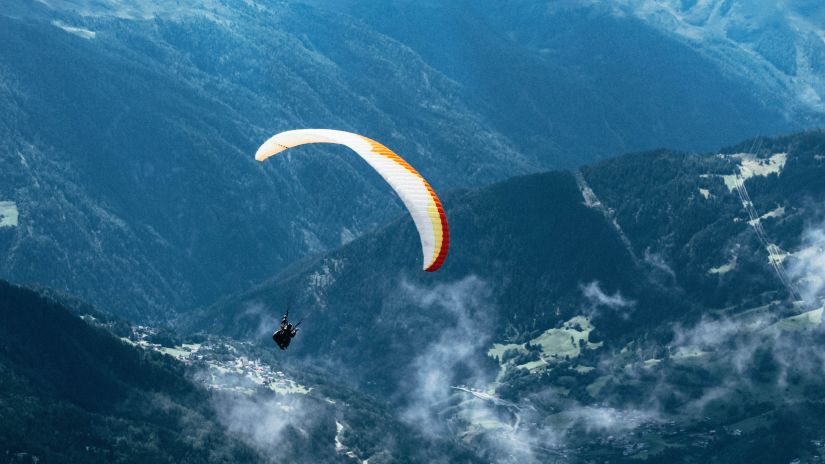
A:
(597, 79)
(666, 230)
(128, 147)
(531, 239)
(95, 389)
(74, 393)
(779, 45)
(660, 306)
(128, 129)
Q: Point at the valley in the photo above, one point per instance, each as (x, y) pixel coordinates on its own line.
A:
(628, 235)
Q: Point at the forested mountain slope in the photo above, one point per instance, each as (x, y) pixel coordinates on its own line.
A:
(96, 389)
(128, 129)
(670, 301)
(74, 393)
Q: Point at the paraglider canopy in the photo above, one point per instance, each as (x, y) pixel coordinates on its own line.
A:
(416, 194)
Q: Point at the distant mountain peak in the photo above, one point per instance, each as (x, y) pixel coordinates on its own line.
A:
(766, 40)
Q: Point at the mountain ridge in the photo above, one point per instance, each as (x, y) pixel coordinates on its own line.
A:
(544, 328)
(137, 123)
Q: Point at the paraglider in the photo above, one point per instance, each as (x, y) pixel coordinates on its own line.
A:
(285, 333)
(416, 194)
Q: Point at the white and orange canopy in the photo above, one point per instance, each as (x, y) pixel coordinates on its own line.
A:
(420, 200)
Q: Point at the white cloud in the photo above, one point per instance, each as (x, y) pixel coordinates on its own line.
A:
(731, 359)
(503, 431)
(261, 422)
(434, 371)
(807, 267)
(658, 262)
(597, 297)
(266, 321)
(606, 419)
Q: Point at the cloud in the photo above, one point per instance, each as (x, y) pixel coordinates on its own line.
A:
(807, 266)
(265, 322)
(273, 424)
(605, 419)
(656, 261)
(718, 360)
(458, 347)
(598, 297)
(499, 430)
(458, 356)
(707, 334)
(263, 421)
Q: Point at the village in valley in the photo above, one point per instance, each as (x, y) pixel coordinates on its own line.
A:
(219, 363)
